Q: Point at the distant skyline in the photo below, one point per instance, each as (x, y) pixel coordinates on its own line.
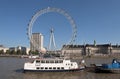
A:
(95, 19)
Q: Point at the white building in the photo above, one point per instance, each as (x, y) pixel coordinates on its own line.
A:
(91, 50)
(37, 42)
(3, 48)
(27, 51)
(21, 48)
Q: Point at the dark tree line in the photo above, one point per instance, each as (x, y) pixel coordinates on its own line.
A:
(34, 52)
(13, 52)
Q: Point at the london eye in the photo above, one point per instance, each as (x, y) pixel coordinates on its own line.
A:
(47, 10)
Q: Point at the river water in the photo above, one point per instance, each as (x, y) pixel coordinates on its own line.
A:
(12, 68)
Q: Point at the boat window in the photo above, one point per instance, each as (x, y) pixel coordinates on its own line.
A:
(47, 61)
(42, 61)
(71, 64)
(60, 61)
(42, 68)
(32, 61)
(56, 61)
(37, 68)
(37, 61)
(51, 61)
(58, 67)
(46, 67)
(54, 67)
(67, 64)
(50, 67)
(62, 67)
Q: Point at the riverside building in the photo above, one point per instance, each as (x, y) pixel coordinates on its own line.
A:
(90, 50)
(24, 50)
(2, 48)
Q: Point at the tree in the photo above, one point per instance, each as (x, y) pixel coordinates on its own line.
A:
(2, 51)
(34, 52)
(18, 52)
(7, 51)
(23, 52)
(12, 52)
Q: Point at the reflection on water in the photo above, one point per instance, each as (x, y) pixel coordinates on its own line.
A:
(102, 76)
(54, 75)
(12, 68)
(71, 75)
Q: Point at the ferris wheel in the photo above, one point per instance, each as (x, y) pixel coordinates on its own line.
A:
(47, 10)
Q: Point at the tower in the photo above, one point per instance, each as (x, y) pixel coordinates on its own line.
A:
(52, 45)
(37, 42)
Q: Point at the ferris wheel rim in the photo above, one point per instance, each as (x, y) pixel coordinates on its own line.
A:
(47, 10)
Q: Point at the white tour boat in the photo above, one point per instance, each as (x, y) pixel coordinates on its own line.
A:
(52, 65)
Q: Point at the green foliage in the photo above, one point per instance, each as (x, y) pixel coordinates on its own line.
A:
(1, 52)
(13, 52)
(18, 52)
(34, 52)
(7, 51)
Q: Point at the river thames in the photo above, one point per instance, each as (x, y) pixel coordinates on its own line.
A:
(12, 68)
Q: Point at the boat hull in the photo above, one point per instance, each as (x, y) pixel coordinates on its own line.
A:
(104, 70)
(68, 70)
(99, 69)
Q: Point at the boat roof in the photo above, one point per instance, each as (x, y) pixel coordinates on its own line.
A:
(50, 59)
